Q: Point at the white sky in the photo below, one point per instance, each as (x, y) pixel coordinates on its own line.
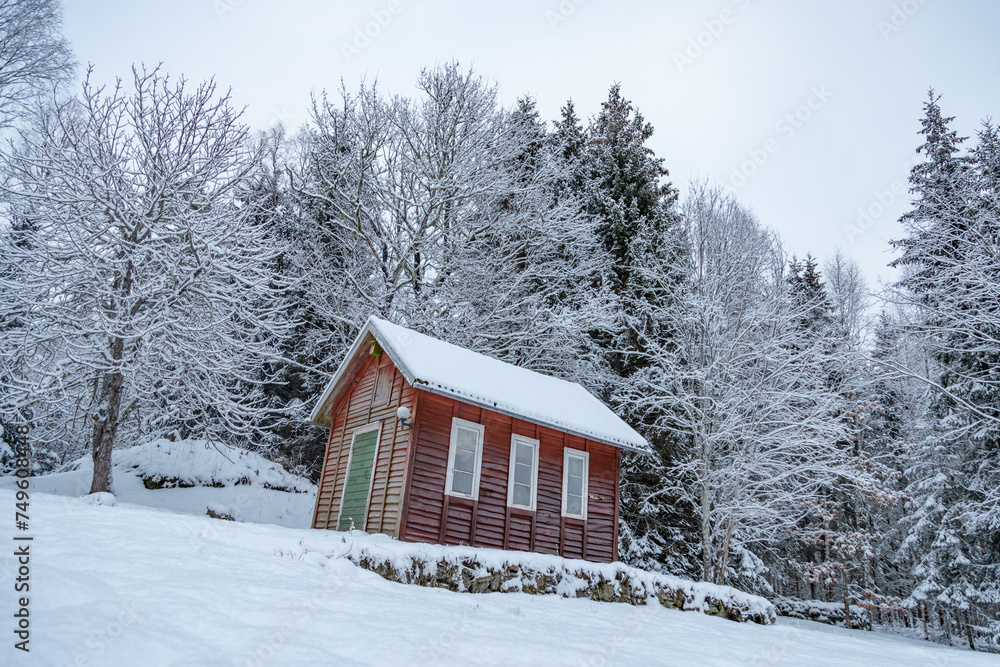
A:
(872, 59)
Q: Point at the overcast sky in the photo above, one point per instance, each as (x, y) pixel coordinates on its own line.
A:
(807, 110)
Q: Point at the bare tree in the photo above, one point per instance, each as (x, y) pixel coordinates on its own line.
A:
(848, 294)
(438, 211)
(736, 381)
(138, 270)
(34, 56)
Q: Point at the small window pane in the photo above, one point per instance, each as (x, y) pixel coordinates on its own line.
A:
(575, 486)
(465, 460)
(462, 482)
(524, 454)
(576, 466)
(522, 474)
(467, 439)
(522, 495)
(574, 505)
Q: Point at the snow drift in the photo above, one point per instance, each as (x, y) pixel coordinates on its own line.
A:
(194, 477)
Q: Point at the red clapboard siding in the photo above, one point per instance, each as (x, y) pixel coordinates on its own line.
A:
(432, 516)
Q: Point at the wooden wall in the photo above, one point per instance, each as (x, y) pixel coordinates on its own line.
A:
(430, 515)
(359, 407)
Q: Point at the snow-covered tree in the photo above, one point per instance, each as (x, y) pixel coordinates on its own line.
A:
(951, 284)
(848, 296)
(143, 286)
(34, 55)
(623, 187)
(842, 531)
(440, 212)
(530, 283)
(730, 383)
(624, 181)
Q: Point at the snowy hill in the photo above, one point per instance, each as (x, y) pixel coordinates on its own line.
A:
(126, 585)
(191, 476)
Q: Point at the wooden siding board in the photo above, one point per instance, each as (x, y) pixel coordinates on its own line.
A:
(340, 423)
(390, 458)
(322, 475)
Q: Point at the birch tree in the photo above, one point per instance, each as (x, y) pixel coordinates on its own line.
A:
(143, 284)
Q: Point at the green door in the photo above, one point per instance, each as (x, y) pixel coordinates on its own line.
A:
(358, 477)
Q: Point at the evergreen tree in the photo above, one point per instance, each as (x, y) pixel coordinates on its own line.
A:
(625, 189)
(622, 184)
(951, 279)
(569, 141)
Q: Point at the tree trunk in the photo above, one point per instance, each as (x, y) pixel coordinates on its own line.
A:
(968, 630)
(725, 549)
(847, 602)
(706, 513)
(106, 423)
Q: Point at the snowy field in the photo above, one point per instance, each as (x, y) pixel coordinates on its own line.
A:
(133, 585)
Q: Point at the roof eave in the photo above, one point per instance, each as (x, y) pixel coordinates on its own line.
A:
(441, 391)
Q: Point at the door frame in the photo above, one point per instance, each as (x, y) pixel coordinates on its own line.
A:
(361, 430)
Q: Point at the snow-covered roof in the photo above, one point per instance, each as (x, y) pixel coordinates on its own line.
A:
(449, 370)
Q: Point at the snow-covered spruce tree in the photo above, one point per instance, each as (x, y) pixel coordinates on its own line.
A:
(622, 185)
(569, 142)
(145, 288)
(952, 283)
(624, 189)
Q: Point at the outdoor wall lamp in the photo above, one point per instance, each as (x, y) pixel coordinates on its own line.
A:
(403, 414)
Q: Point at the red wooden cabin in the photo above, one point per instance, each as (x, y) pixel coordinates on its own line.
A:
(486, 454)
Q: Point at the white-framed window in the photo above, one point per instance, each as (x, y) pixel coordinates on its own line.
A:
(576, 466)
(465, 456)
(522, 482)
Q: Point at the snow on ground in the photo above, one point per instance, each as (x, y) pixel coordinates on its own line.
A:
(525, 571)
(128, 585)
(194, 476)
